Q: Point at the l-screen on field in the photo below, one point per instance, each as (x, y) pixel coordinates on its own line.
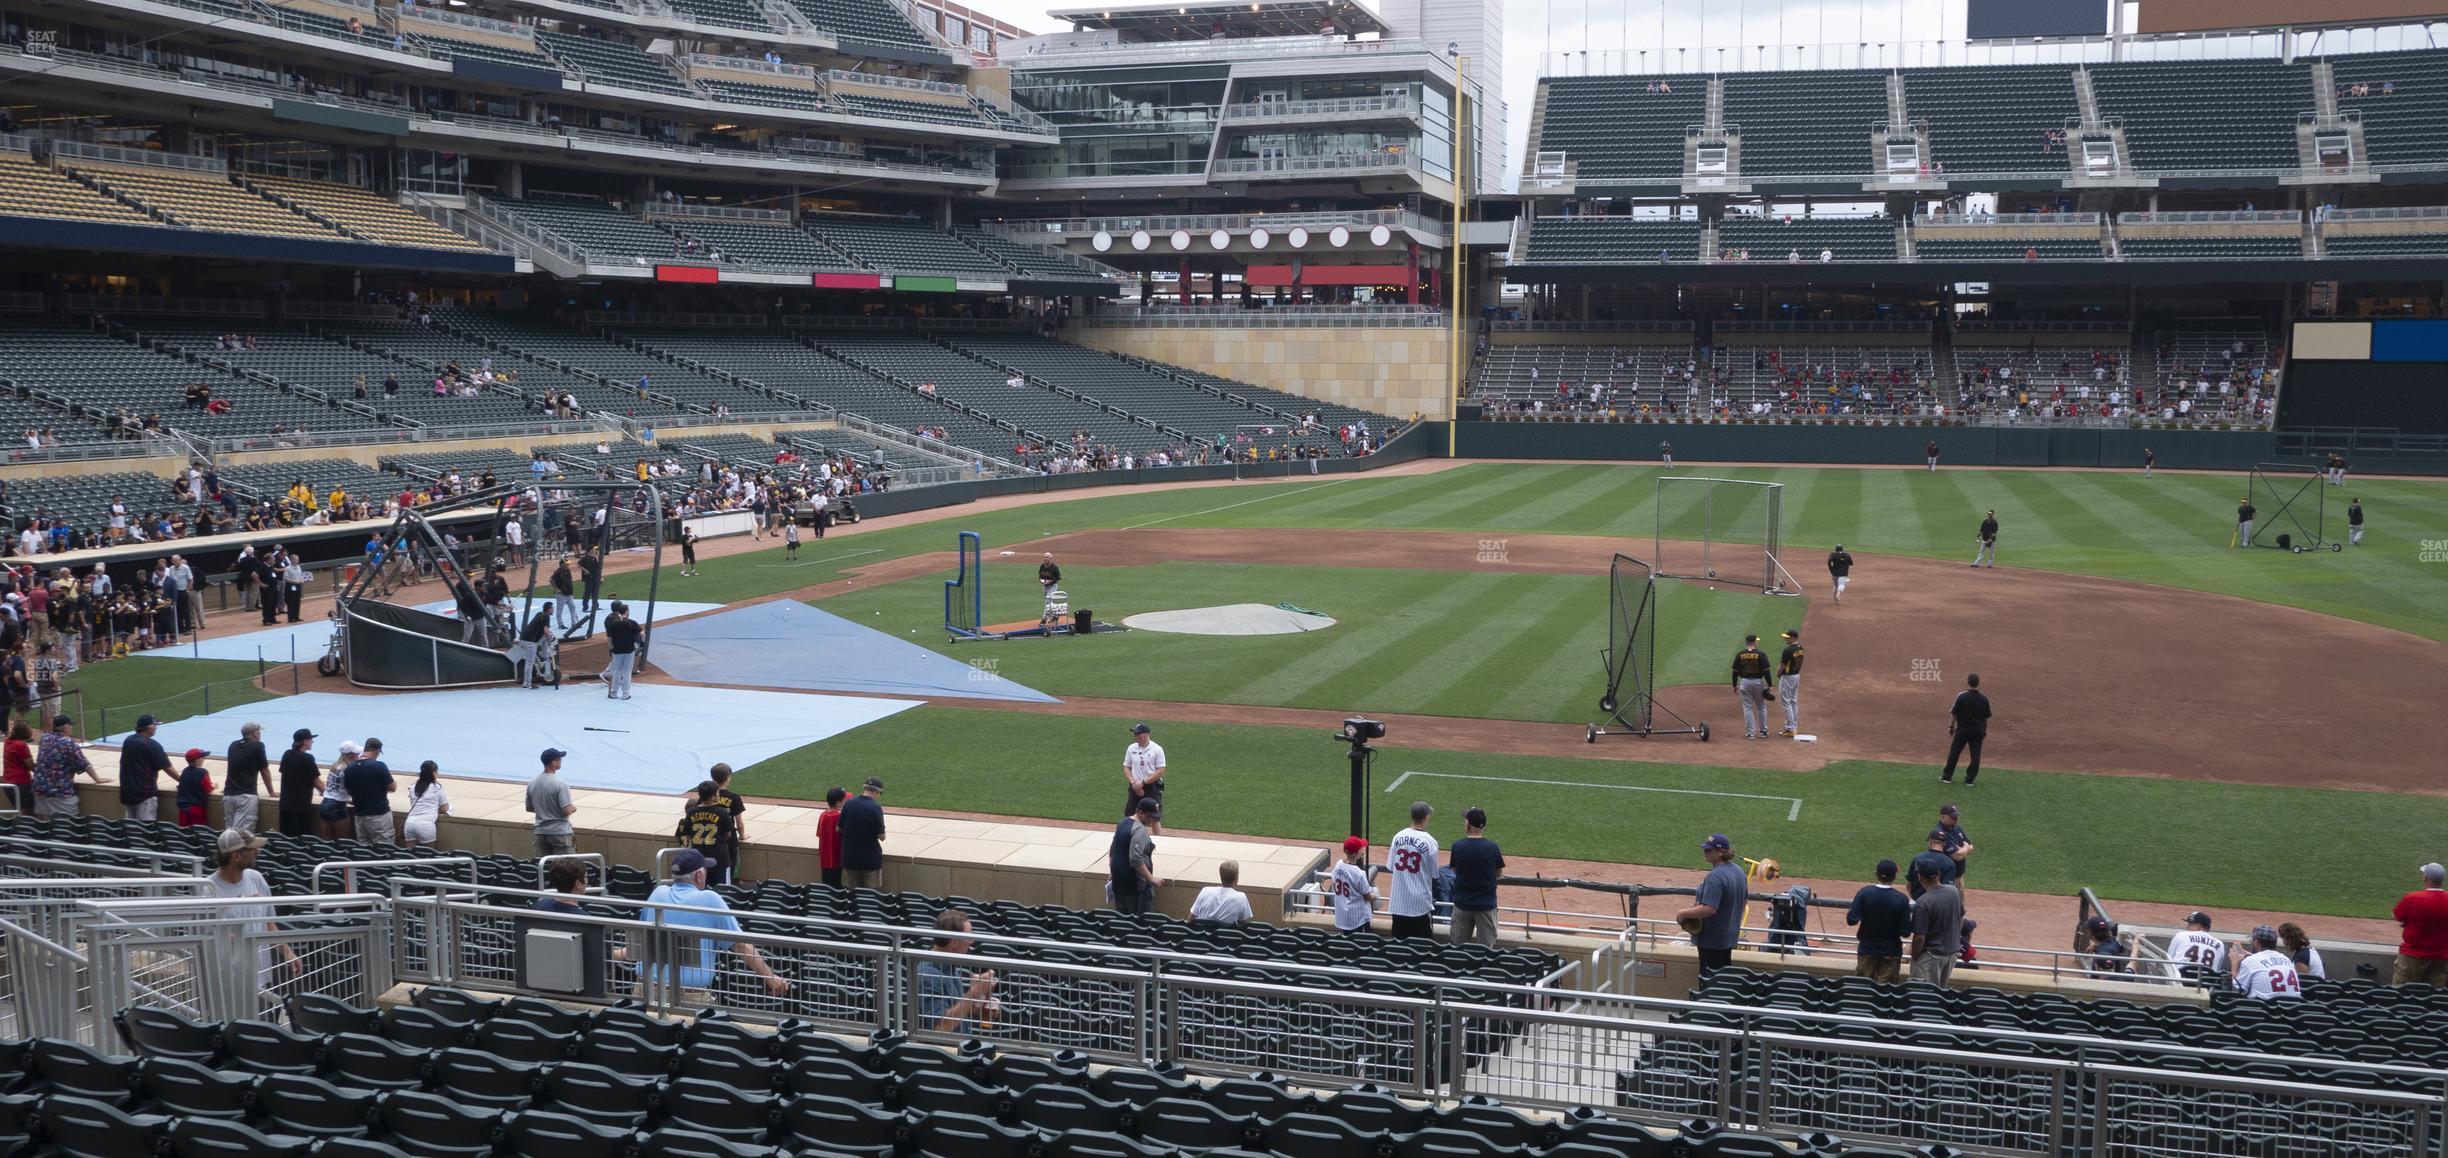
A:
(2145, 672)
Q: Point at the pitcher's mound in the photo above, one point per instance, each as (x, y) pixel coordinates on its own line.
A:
(1230, 619)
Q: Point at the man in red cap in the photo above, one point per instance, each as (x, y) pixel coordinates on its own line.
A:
(195, 788)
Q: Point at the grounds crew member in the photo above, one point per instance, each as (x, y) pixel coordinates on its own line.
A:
(1789, 681)
(1751, 686)
(2244, 522)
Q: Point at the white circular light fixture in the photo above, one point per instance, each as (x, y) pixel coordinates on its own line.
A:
(1181, 239)
(1140, 239)
(1299, 236)
(1219, 239)
(1338, 237)
(1380, 235)
(1103, 241)
(1259, 238)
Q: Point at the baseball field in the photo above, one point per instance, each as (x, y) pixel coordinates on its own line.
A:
(2176, 718)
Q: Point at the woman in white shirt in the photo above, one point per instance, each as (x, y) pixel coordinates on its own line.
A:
(427, 805)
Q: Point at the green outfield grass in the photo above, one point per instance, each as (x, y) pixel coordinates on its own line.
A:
(2171, 530)
(107, 697)
(2036, 831)
(1478, 644)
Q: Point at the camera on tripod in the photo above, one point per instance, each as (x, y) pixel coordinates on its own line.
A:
(1358, 732)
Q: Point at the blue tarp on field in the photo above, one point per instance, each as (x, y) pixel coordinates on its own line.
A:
(788, 644)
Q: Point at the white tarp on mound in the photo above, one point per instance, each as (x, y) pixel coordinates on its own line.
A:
(1230, 619)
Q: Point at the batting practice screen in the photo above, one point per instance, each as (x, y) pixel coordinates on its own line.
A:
(1631, 654)
(1722, 529)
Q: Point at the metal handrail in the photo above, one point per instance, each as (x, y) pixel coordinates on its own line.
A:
(347, 870)
(1404, 105)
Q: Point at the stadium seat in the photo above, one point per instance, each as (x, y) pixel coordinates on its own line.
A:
(963, 1136)
(59, 1067)
(475, 1078)
(544, 1134)
(324, 1015)
(366, 1062)
(713, 1108)
(203, 1137)
(595, 1094)
(189, 1089)
(161, 1033)
(84, 1128)
(845, 1126)
(297, 1104)
(434, 1126)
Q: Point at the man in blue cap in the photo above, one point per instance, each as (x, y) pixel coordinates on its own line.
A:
(1714, 920)
(685, 900)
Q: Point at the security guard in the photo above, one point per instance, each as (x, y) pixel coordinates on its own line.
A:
(1789, 680)
(1751, 686)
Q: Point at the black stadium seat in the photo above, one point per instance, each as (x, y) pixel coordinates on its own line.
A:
(193, 1090)
(192, 1137)
(161, 1033)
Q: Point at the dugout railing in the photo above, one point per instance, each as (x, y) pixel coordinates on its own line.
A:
(1998, 1092)
(1551, 1046)
(1641, 934)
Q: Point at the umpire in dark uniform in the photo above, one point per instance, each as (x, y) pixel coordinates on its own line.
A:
(1968, 721)
(1751, 686)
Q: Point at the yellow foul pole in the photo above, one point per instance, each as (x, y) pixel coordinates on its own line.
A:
(1457, 266)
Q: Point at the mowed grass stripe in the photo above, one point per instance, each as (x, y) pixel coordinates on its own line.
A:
(2069, 518)
(1423, 600)
(1550, 619)
(1560, 647)
(1579, 502)
(1372, 677)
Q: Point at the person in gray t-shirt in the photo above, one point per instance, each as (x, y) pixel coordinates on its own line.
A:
(1937, 928)
(548, 797)
(1718, 908)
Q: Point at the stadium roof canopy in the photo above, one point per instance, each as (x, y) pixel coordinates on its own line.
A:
(1194, 21)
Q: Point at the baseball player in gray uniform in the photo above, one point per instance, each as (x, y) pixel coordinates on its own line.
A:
(1751, 686)
(1789, 681)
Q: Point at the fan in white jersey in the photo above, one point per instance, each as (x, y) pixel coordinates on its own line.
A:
(2195, 948)
(2269, 973)
(1411, 863)
(1349, 884)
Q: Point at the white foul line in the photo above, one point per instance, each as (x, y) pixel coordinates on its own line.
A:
(1227, 506)
(1793, 814)
(829, 558)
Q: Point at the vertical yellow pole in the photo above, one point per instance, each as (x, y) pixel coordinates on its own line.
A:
(1458, 265)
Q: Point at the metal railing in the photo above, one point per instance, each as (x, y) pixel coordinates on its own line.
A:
(1275, 317)
(1361, 106)
(1944, 220)
(908, 83)
(1105, 51)
(346, 871)
(1534, 1046)
(222, 959)
(2213, 217)
(748, 64)
(2389, 213)
(1205, 223)
(684, 209)
(410, 18)
(1337, 162)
